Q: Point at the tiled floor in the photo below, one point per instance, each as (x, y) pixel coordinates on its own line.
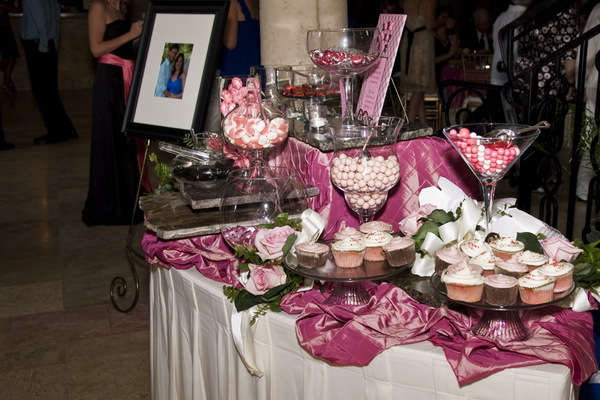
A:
(60, 337)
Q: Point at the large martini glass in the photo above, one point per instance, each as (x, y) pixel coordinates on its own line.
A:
(346, 53)
(490, 149)
(364, 164)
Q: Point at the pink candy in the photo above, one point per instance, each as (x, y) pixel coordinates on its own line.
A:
(250, 132)
(365, 179)
(487, 158)
(341, 59)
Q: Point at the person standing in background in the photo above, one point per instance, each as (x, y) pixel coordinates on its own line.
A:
(8, 46)
(114, 171)
(513, 12)
(417, 55)
(241, 40)
(40, 30)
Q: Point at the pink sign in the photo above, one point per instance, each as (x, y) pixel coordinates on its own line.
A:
(377, 79)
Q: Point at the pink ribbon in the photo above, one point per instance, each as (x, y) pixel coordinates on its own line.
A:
(126, 66)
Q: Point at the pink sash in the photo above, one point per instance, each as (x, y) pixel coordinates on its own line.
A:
(126, 66)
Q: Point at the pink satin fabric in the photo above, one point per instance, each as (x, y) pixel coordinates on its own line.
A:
(354, 335)
(423, 161)
(126, 66)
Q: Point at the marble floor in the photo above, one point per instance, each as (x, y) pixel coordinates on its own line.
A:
(60, 337)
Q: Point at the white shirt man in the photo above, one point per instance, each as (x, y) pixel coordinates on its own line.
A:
(513, 12)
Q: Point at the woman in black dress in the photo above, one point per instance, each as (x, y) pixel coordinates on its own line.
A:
(114, 172)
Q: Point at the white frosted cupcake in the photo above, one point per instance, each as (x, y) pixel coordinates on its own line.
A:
(536, 288)
(462, 283)
(374, 243)
(375, 226)
(506, 247)
(486, 260)
(532, 259)
(348, 232)
(561, 271)
(511, 267)
(399, 251)
(447, 256)
(348, 252)
(474, 247)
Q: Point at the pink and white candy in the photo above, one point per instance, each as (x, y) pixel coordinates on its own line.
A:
(486, 157)
(365, 178)
(254, 133)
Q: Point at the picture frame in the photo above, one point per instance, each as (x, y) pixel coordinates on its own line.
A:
(196, 26)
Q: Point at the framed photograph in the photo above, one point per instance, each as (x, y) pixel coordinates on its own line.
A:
(175, 68)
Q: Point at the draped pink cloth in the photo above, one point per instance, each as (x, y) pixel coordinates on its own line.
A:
(354, 335)
(423, 161)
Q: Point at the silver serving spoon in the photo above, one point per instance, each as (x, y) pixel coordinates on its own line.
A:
(506, 133)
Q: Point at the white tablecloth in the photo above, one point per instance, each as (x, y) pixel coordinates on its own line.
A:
(194, 357)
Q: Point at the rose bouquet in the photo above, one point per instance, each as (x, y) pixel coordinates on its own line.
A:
(263, 279)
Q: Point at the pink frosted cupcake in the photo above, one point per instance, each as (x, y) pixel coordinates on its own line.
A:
(348, 232)
(500, 290)
(462, 283)
(536, 288)
(532, 259)
(511, 267)
(375, 226)
(562, 272)
(374, 243)
(506, 247)
(312, 255)
(399, 251)
(486, 260)
(474, 247)
(447, 256)
(348, 252)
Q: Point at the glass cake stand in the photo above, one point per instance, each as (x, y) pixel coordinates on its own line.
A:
(349, 283)
(501, 323)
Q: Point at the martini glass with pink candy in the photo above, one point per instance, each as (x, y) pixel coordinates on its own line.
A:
(250, 124)
(346, 53)
(364, 164)
(490, 150)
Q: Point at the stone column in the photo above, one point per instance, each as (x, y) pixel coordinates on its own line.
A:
(283, 26)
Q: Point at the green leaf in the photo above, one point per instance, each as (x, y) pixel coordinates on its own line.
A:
(428, 226)
(245, 300)
(440, 216)
(530, 241)
(289, 243)
(273, 293)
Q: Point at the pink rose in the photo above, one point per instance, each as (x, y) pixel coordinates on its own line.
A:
(411, 223)
(559, 248)
(260, 278)
(269, 242)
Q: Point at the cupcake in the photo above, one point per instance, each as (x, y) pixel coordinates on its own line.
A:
(375, 226)
(474, 247)
(399, 251)
(532, 259)
(448, 256)
(348, 232)
(536, 288)
(500, 290)
(374, 242)
(312, 255)
(561, 271)
(348, 252)
(462, 283)
(506, 247)
(486, 260)
(511, 267)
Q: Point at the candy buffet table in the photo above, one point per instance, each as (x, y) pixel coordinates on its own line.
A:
(194, 357)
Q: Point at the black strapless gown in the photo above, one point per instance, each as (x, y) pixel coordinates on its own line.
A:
(114, 173)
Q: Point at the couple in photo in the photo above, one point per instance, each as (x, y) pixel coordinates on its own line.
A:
(171, 76)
